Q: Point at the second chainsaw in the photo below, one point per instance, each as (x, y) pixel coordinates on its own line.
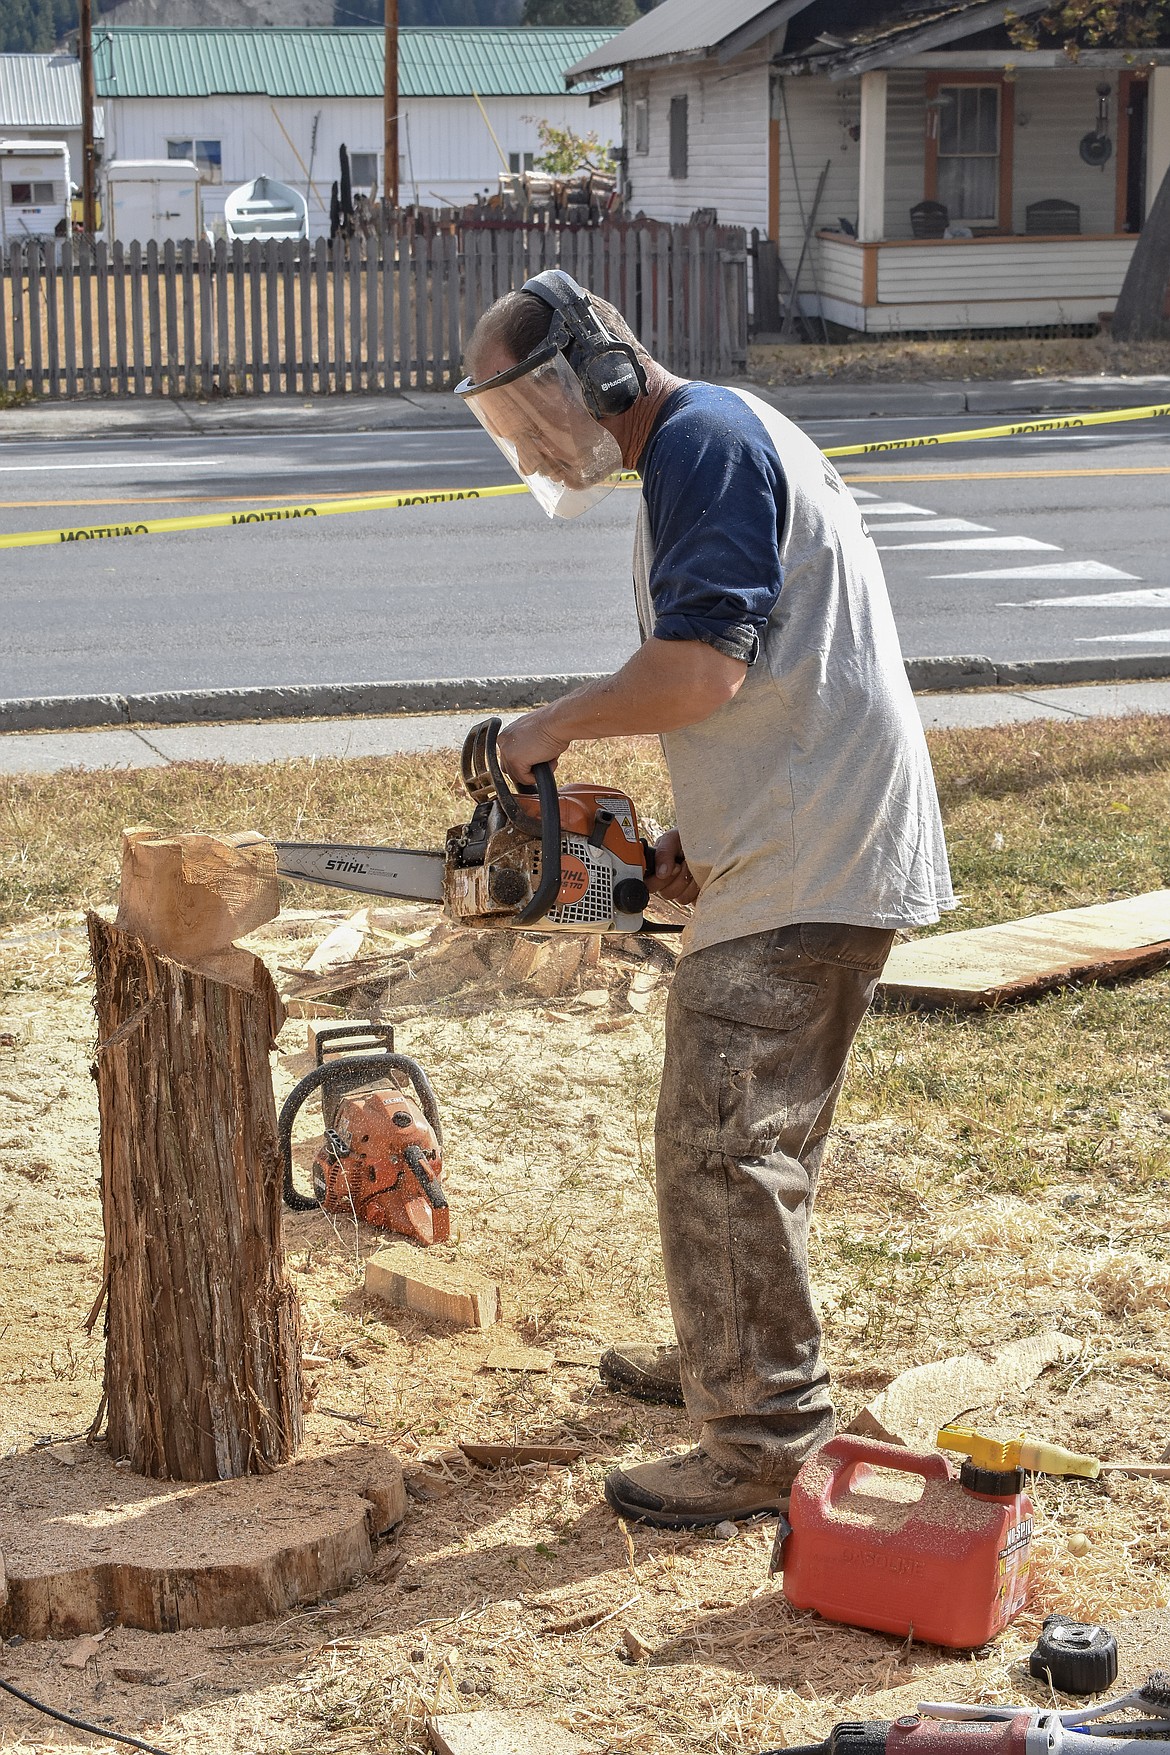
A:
(567, 860)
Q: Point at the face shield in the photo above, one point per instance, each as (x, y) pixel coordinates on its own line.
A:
(537, 416)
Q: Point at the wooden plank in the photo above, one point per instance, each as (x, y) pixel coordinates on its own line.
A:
(271, 374)
(223, 328)
(52, 316)
(523, 1732)
(134, 292)
(206, 342)
(354, 264)
(387, 340)
(321, 282)
(35, 349)
(154, 318)
(19, 342)
(405, 287)
(442, 1290)
(255, 322)
(374, 376)
(170, 272)
(102, 269)
(188, 271)
(239, 318)
(85, 299)
(990, 965)
(496, 1456)
(5, 301)
(919, 1402)
(304, 265)
(68, 286)
(421, 303)
(287, 252)
(340, 361)
(438, 311)
(121, 349)
(454, 335)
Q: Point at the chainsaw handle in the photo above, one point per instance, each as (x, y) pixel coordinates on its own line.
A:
(343, 1074)
(483, 776)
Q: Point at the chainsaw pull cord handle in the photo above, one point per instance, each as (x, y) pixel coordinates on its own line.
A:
(356, 1070)
(479, 752)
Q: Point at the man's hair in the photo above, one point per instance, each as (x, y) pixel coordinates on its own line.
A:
(519, 323)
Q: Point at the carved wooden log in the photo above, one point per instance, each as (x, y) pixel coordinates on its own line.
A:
(203, 1374)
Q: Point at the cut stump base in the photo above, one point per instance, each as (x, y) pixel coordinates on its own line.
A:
(93, 1544)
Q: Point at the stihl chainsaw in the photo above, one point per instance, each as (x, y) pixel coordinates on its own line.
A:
(566, 861)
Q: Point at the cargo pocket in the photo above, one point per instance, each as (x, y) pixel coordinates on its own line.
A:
(733, 1028)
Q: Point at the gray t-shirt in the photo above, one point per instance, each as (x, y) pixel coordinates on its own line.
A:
(810, 795)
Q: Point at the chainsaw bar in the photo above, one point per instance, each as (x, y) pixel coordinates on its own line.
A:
(402, 872)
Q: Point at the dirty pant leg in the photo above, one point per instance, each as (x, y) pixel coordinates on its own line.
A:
(758, 1031)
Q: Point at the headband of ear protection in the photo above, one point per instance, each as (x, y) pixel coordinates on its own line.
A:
(609, 371)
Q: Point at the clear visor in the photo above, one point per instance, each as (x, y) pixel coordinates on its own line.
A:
(537, 416)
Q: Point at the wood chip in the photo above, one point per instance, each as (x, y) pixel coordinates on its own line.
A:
(988, 965)
(503, 1733)
(402, 1276)
(913, 1408)
(82, 1651)
(595, 997)
(498, 1456)
(139, 1677)
(636, 1646)
(340, 946)
(424, 1486)
(508, 1358)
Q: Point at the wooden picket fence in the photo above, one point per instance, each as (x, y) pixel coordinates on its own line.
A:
(83, 318)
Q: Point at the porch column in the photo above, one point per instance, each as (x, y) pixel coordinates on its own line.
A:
(1158, 135)
(871, 200)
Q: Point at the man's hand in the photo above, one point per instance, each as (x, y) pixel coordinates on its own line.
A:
(671, 878)
(529, 740)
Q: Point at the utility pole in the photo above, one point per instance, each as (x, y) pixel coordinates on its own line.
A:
(389, 106)
(88, 148)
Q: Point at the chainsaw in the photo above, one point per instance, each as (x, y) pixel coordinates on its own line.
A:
(567, 860)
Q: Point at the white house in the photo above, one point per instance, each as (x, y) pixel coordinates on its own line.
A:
(40, 99)
(249, 102)
(932, 174)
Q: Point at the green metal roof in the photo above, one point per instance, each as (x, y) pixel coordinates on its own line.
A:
(144, 61)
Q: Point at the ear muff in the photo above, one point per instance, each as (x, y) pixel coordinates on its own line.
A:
(609, 371)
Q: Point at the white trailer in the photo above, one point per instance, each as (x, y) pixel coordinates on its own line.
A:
(153, 199)
(34, 189)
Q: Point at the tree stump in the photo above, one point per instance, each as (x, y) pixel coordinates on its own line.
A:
(203, 1343)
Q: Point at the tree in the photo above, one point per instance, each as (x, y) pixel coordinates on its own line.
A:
(584, 13)
(1119, 24)
(563, 152)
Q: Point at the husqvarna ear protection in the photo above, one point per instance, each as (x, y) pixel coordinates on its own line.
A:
(609, 371)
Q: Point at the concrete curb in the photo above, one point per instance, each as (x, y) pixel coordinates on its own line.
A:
(493, 694)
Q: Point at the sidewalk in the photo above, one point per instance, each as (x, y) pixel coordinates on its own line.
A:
(350, 738)
(412, 411)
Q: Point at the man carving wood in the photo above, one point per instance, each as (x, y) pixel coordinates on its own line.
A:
(808, 832)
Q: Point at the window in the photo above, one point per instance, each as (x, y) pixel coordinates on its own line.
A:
(968, 151)
(678, 136)
(363, 170)
(642, 124)
(520, 161)
(207, 154)
(30, 194)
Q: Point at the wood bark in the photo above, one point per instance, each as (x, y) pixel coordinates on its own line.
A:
(1140, 312)
(203, 1375)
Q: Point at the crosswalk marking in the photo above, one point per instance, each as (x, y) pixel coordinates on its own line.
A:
(951, 524)
(898, 509)
(972, 542)
(1049, 570)
(1154, 598)
(1151, 637)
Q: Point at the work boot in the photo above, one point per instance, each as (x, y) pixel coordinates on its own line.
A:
(637, 1368)
(682, 1492)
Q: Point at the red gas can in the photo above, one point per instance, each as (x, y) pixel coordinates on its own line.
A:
(949, 1565)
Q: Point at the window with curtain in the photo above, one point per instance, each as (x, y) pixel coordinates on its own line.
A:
(968, 152)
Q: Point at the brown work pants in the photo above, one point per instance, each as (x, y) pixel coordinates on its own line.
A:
(758, 1031)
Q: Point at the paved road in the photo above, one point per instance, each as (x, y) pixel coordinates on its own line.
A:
(1046, 547)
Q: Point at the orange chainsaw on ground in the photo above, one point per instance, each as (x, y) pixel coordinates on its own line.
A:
(561, 861)
(381, 1160)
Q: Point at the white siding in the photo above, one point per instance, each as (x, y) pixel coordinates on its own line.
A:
(815, 117)
(727, 145)
(445, 149)
(1053, 113)
(905, 150)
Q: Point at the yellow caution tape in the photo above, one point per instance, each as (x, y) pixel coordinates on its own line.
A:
(1017, 430)
(445, 496)
(263, 515)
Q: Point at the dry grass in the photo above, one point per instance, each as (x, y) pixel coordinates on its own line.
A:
(912, 362)
(993, 1174)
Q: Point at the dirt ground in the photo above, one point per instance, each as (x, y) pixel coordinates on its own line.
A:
(515, 1588)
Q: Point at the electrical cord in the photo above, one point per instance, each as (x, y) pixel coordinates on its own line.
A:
(81, 1724)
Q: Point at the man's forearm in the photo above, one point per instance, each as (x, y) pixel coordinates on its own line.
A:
(665, 685)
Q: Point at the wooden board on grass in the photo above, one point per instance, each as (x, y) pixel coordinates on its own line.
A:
(991, 965)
